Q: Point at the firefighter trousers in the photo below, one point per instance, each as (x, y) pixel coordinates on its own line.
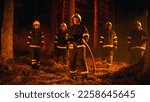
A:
(136, 55)
(77, 59)
(108, 56)
(35, 54)
(63, 53)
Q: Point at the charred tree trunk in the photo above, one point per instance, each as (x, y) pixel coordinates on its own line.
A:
(71, 10)
(95, 22)
(7, 56)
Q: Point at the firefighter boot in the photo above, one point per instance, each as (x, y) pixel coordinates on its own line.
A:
(73, 76)
(84, 76)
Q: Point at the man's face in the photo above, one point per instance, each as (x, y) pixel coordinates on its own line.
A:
(63, 28)
(76, 20)
(138, 26)
(36, 26)
(109, 27)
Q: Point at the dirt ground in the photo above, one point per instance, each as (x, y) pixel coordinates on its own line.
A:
(57, 74)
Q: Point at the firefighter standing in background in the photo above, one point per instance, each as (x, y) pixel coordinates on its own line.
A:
(60, 44)
(108, 43)
(77, 49)
(137, 43)
(35, 42)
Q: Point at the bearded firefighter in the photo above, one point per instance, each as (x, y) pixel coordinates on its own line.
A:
(77, 49)
(35, 43)
(137, 43)
(108, 43)
(60, 44)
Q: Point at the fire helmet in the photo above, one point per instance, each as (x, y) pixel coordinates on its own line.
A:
(36, 22)
(63, 24)
(108, 23)
(77, 16)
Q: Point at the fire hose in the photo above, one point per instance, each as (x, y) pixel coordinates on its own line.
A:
(92, 56)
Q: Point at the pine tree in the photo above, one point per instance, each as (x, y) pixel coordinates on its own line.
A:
(7, 56)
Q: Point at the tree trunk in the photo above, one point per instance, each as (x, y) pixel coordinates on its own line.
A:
(63, 10)
(147, 52)
(7, 56)
(95, 22)
(71, 10)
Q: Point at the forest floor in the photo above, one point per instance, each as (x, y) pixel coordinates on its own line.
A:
(56, 74)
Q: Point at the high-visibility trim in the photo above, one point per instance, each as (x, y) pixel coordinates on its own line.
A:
(61, 47)
(129, 42)
(55, 41)
(101, 42)
(42, 41)
(115, 41)
(71, 46)
(138, 47)
(129, 37)
(34, 63)
(101, 37)
(34, 60)
(56, 37)
(115, 37)
(108, 46)
(29, 37)
(84, 72)
(72, 72)
(109, 64)
(34, 46)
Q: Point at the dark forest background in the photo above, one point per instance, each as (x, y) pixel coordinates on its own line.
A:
(122, 13)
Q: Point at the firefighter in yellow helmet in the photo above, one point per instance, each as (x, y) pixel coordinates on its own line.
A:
(35, 43)
(77, 49)
(60, 44)
(108, 43)
(137, 43)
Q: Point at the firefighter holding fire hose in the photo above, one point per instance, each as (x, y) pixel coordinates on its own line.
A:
(35, 43)
(137, 43)
(108, 43)
(77, 49)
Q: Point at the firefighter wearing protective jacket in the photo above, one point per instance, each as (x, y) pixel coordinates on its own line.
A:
(77, 49)
(35, 43)
(60, 44)
(108, 43)
(137, 43)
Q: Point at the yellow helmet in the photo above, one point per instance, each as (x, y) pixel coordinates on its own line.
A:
(77, 15)
(36, 22)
